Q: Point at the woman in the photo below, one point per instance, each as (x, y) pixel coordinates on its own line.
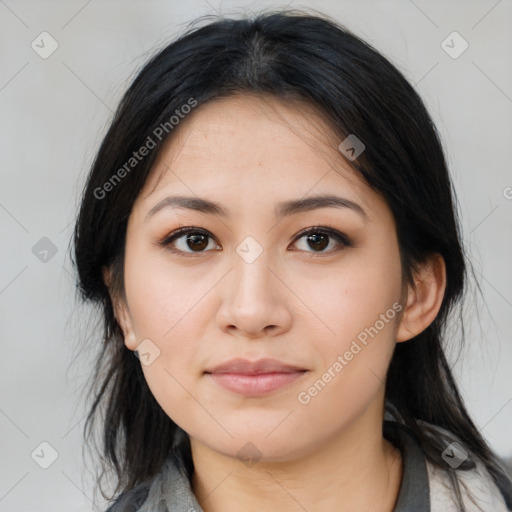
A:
(270, 231)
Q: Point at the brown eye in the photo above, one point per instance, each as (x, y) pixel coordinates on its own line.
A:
(188, 240)
(318, 239)
(196, 242)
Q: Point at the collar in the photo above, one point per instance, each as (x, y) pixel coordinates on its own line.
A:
(171, 489)
(414, 494)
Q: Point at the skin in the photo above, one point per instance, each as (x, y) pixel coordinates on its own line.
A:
(293, 303)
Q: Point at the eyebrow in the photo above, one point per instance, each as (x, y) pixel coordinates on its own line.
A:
(283, 209)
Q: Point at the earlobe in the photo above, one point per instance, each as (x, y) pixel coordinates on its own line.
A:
(124, 321)
(107, 276)
(424, 299)
(121, 313)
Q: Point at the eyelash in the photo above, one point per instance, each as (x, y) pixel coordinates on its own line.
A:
(341, 238)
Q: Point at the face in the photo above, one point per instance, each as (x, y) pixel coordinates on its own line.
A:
(314, 287)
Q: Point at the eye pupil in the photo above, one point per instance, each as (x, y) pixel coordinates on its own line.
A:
(324, 242)
(194, 239)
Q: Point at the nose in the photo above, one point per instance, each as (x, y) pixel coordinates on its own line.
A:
(256, 300)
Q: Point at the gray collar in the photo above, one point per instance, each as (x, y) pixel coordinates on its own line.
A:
(171, 490)
(414, 495)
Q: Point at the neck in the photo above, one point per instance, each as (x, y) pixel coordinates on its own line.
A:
(356, 470)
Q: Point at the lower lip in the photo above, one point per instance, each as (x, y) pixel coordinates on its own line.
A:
(255, 385)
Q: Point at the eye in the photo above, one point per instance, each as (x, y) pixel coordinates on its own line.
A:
(191, 238)
(319, 238)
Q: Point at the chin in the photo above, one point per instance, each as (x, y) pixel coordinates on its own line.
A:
(251, 446)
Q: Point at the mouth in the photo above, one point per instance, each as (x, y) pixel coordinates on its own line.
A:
(255, 378)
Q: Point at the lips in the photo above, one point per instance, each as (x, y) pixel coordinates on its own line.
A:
(255, 367)
(253, 378)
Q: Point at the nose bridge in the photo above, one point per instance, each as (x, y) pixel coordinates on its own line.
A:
(255, 298)
(252, 278)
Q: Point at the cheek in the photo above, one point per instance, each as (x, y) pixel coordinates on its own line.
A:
(166, 309)
(161, 299)
(353, 365)
(359, 305)
(356, 297)
(171, 319)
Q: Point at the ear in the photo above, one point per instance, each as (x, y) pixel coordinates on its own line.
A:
(121, 312)
(424, 299)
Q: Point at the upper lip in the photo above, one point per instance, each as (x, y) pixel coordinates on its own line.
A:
(257, 367)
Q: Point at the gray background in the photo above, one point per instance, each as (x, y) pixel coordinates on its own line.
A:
(54, 112)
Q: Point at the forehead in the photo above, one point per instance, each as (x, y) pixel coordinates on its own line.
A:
(258, 144)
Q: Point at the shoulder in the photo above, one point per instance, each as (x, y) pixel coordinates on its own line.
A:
(478, 491)
(168, 489)
(132, 500)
